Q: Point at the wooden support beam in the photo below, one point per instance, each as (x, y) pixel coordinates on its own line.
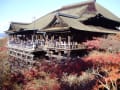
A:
(39, 36)
(52, 38)
(68, 53)
(46, 38)
(60, 39)
(32, 37)
(69, 39)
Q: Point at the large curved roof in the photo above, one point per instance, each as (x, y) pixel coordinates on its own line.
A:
(80, 12)
(88, 8)
(80, 26)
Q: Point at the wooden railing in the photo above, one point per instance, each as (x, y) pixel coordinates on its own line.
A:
(22, 46)
(46, 45)
(65, 45)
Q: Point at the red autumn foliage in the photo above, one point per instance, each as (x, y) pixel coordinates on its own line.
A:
(110, 43)
(3, 49)
(103, 58)
(93, 44)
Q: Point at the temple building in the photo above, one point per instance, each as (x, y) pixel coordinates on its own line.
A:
(61, 32)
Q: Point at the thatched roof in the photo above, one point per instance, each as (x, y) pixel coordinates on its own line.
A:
(72, 15)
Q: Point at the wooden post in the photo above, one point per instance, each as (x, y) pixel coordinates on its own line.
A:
(69, 38)
(68, 53)
(59, 42)
(59, 38)
(52, 41)
(36, 36)
(33, 42)
(32, 38)
(52, 38)
(39, 37)
(46, 38)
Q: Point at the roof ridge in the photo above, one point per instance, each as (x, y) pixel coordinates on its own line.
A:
(76, 5)
(20, 23)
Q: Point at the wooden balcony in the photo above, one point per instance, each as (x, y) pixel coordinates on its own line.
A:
(65, 46)
(48, 45)
(21, 47)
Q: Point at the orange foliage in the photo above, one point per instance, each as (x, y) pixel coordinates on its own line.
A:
(102, 57)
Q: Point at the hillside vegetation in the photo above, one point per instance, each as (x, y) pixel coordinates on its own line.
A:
(97, 70)
(3, 42)
(3, 48)
(4, 64)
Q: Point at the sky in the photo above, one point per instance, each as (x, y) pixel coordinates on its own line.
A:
(29, 10)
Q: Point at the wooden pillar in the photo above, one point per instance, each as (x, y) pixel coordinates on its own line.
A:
(52, 38)
(46, 38)
(59, 38)
(21, 42)
(52, 41)
(68, 53)
(59, 44)
(36, 36)
(39, 37)
(33, 42)
(69, 39)
(32, 38)
(15, 38)
(32, 57)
